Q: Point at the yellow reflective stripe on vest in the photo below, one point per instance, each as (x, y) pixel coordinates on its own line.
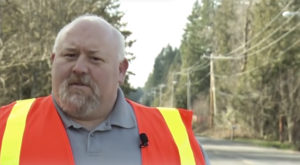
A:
(13, 134)
(179, 133)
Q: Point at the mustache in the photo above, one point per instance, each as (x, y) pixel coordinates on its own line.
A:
(80, 80)
(85, 80)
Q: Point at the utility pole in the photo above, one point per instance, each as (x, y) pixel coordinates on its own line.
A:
(154, 93)
(172, 94)
(188, 90)
(173, 91)
(161, 86)
(212, 105)
(188, 87)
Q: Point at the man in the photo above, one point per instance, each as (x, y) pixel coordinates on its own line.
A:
(87, 120)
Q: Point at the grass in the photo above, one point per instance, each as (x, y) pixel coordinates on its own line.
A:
(264, 143)
(225, 134)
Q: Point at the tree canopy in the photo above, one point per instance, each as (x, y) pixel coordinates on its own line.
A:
(27, 33)
(238, 63)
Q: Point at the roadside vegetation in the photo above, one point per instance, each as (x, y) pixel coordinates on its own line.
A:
(238, 67)
(268, 143)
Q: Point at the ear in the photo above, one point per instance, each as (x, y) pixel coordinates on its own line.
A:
(122, 70)
(52, 58)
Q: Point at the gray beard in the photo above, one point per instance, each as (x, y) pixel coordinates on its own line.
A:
(77, 104)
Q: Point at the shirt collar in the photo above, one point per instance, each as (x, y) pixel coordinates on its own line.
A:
(122, 115)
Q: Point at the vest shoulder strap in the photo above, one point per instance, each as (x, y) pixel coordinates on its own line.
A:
(44, 139)
(171, 139)
(13, 133)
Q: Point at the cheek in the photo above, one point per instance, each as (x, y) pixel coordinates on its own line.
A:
(105, 78)
(59, 74)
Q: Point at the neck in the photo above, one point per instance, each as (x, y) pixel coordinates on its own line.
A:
(89, 124)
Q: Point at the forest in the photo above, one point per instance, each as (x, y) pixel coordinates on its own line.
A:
(238, 67)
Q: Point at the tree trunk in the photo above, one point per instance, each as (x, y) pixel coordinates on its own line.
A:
(290, 126)
(281, 129)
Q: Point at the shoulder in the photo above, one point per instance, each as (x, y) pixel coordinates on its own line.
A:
(6, 108)
(38, 100)
(186, 115)
(139, 107)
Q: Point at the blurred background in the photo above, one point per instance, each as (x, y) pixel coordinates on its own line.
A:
(236, 64)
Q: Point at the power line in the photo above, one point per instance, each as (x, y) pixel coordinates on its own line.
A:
(244, 97)
(262, 30)
(185, 73)
(195, 67)
(258, 67)
(271, 34)
(203, 78)
(191, 67)
(200, 67)
(259, 50)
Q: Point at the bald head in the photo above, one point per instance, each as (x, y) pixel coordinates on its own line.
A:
(99, 23)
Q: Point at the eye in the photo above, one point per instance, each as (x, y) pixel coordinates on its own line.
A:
(70, 55)
(96, 59)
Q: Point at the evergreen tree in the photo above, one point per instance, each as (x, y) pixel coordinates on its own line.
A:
(160, 74)
(28, 29)
(277, 54)
(196, 43)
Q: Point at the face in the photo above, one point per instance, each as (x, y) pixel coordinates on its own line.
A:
(86, 70)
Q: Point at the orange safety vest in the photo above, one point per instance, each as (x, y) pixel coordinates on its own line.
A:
(32, 133)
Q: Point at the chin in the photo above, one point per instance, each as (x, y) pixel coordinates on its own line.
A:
(79, 105)
(78, 101)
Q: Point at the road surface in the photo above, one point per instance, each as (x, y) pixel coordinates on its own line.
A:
(226, 152)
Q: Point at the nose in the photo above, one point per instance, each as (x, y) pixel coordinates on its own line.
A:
(80, 66)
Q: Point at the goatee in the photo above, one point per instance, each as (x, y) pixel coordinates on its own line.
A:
(77, 103)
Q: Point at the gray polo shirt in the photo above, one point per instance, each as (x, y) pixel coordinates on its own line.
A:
(115, 141)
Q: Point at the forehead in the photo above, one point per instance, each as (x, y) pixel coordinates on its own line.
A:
(90, 34)
(90, 30)
(89, 25)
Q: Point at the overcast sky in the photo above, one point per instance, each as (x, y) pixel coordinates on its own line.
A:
(154, 24)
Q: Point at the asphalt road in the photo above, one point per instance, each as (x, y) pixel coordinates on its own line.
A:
(226, 152)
